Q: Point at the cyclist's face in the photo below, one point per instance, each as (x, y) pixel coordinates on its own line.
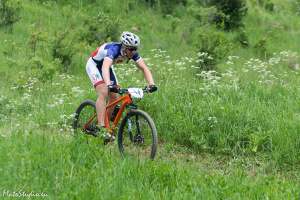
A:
(130, 51)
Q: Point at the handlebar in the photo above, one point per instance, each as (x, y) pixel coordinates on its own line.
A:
(125, 90)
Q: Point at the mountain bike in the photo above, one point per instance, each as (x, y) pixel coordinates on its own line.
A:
(137, 134)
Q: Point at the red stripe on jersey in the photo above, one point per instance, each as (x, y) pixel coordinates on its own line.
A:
(98, 83)
(94, 53)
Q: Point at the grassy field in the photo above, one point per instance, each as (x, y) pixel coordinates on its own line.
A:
(228, 133)
(68, 168)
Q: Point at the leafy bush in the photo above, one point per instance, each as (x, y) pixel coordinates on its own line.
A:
(4, 104)
(266, 4)
(174, 22)
(269, 6)
(166, 6)
(261, 48)
(63, 50)
(42, 69)
(100, 29)
(65, 1)
(151, 3)
(37, 67)
(205, 15)
(230, 13)
(37, 38)
(297, 7)
(45, 1)
(9, 12)
(212, 47)
(242, 38)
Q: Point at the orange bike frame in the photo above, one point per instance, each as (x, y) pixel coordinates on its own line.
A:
(126, 100)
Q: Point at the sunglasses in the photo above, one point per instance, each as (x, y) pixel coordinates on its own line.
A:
(131, 48)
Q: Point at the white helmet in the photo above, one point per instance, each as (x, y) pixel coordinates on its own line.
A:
(130, 39)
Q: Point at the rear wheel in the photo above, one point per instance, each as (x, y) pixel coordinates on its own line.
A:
(137, 136)
(84, 113)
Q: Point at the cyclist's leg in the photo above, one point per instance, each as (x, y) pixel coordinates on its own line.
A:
(101, 89)
(114, 81)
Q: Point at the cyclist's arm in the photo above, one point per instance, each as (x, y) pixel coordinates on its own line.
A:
(147, 73)
(107, 62)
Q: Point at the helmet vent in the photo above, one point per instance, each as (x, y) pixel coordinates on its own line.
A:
(130, 39)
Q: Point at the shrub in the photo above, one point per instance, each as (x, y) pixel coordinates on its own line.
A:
(230, 13)
(242, 38)
(261, 48)
(205, 15)
(37, 37)
(100, 29)
(4, 104)
(295, 7)
(151, 3)
(269, 6)
(266, 4)
(65, 2)
(174, 22)
(212, 47)
(166, 6)
(9, 12)
(41, 69)
(63, 50)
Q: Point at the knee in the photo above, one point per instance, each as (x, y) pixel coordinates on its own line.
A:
(102, 91)
(102, 95)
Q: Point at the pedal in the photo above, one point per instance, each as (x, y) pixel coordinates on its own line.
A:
(93, 132)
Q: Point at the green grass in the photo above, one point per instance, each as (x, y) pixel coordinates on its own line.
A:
(67, 167)
(230, 134)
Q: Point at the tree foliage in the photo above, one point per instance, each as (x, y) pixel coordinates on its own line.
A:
(231, 13)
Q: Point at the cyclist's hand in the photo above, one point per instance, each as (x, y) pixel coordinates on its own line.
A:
(113, 88)
(151, 88)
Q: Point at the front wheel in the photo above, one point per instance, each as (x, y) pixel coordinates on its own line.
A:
(137, 135)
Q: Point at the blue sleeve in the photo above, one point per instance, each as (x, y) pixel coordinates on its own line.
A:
(111, 54)
(136, 57)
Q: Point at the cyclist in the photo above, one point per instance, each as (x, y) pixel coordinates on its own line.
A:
(100, 70)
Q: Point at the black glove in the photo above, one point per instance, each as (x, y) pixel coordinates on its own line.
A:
(152, 88)
(113, 88)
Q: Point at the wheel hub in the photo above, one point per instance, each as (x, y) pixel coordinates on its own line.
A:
(138, 139)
